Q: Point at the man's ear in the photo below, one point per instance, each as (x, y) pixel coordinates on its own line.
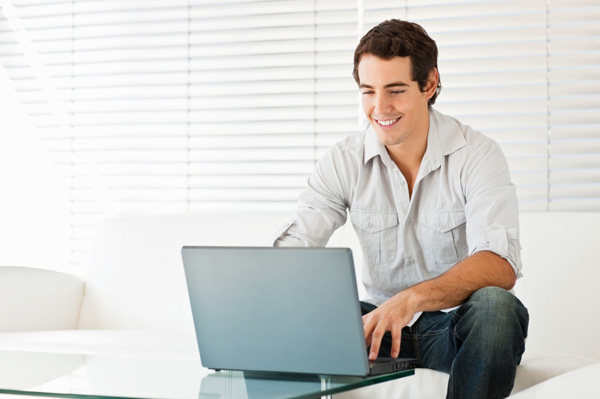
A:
(432, 83)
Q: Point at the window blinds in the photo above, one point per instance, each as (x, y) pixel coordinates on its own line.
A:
(183, 105)
(574, 105)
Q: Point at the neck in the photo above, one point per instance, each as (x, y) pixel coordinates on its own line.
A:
(408, 156)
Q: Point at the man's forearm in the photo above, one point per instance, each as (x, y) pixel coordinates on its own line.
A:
(483, 269)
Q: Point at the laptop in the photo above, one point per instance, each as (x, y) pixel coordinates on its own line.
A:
(279, 310)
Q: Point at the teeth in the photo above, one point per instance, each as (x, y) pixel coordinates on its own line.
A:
(388, 122)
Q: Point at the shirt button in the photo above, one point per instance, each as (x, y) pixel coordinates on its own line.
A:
(411, 260)
(370, 226)
(402, 183)
(407, 221)
(495, 227)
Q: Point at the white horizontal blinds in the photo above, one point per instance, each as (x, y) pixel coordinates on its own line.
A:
(251, 101)
(336, 100)
(36, 52)
(574, 71)
(129, 104)
(268, 92)
(35, 46)
(492, 63)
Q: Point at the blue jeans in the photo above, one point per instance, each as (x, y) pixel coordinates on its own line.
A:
(479, 344)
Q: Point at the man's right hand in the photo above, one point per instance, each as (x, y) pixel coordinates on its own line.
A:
(392, 316)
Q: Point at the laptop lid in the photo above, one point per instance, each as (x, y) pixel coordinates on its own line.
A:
(276, 309)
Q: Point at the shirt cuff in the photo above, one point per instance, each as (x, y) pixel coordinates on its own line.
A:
(503, 242)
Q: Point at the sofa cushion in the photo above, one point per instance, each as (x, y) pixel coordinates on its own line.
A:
(136, 278)
(537, 368)
(37, 299)
(580, 383)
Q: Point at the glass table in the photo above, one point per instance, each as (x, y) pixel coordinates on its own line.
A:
(72, 375)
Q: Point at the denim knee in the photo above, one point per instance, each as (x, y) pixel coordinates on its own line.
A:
(496, 313)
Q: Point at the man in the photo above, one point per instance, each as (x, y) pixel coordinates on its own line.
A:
(436, 214)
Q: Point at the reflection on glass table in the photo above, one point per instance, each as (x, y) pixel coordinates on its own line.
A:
(147, 377)
(244, 385)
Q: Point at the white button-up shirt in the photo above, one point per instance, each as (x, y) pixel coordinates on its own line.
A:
(463, 202)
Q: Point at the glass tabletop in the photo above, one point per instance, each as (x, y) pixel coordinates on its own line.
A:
(71, 375)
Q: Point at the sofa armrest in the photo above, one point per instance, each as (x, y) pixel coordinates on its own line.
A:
(580, 383)
(36, 299)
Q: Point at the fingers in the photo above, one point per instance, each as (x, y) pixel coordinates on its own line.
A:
(372, 336)
(396, 342)
(377, 338)
(375, 344)
(374, 333)
(368, 328)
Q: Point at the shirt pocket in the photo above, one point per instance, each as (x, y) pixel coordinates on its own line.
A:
(377, 232)
(443, 235)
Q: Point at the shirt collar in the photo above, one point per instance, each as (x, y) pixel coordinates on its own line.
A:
(372, 145)
(445, 137)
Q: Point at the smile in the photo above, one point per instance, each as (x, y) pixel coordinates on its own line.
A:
(387, 122)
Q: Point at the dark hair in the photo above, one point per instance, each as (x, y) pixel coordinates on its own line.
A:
(396, 38)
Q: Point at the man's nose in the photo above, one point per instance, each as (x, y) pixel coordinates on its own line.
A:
(382, 104)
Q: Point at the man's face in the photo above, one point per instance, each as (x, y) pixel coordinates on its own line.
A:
(392, 102)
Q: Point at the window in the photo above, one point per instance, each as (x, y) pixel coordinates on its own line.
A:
(183, 105)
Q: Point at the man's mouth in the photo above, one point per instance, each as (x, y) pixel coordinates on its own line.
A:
(386, 122)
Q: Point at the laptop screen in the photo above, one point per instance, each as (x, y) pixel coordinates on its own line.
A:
(276, 309)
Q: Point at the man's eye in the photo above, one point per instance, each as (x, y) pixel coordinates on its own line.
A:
(397, 91)
(366, 92)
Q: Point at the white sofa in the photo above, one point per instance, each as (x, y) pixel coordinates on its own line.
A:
(133, 298)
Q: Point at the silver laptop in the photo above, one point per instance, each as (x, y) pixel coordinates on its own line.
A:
(283, 310)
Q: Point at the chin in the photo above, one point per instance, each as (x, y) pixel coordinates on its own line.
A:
(388, 137)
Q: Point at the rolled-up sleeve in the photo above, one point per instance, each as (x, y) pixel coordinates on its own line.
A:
(491, 206)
